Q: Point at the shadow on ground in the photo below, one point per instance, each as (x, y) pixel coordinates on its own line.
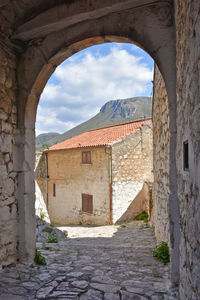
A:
(112, 263)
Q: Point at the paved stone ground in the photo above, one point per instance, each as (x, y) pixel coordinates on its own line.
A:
(108, 262)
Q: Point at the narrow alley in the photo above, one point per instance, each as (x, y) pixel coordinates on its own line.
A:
(106, 262)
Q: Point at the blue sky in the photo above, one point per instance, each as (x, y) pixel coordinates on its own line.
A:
(88, 79)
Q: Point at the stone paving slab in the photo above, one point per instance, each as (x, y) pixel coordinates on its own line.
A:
(107, 262)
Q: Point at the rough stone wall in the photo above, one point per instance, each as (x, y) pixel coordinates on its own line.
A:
(41, 187)
(72, 178)
(188, 128)
(160, 193)
(41, 179)
(131, 166)
(8, 202)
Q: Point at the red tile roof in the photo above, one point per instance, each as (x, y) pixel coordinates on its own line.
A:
(100, 137)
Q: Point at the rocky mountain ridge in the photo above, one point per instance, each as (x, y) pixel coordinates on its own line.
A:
(111, 113)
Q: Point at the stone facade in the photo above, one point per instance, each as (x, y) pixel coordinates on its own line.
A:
(161, 190)
(131, 167)
(8, 181)
(114, 179)
(72, 179)
(188, 129)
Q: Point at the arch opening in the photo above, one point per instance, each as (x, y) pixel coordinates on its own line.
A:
(122, 72)
(162, 49)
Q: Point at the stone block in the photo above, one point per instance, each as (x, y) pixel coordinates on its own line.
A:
(3, 172)
(5, 143)
(10, 167)
(2, 76)
(4, 214)
(3, 115)
(5, 103)
(29, 183)
(7, 157)
(8, 187)
(6, 127)
(7, 201)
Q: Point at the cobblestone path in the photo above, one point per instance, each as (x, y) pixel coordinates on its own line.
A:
(108, 262)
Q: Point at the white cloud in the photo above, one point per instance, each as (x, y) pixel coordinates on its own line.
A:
(49, 122)
(85, 82)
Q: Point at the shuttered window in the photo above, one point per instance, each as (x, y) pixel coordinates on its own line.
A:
(86, 157)
(186, 156)
(87, 203)
(54, 190)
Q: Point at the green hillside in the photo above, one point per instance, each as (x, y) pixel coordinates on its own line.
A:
(43, 138)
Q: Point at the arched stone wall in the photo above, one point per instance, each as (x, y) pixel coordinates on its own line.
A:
(46, 34)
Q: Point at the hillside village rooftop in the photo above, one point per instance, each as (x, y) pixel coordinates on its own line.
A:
(101, 136)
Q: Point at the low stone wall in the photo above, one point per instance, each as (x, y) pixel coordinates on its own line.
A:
(8, 182)
(131, 167)
(160, 193)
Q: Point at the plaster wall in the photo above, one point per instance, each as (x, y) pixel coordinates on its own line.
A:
(141, 203)
(8, 176)
(131, 166)
(188, 128)
(72, 178)
(161, 190)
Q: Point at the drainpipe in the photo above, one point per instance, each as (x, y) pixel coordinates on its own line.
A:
(109, 152)
(47, 177)
(141, 139)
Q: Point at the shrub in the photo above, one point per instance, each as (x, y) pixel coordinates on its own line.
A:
(161, 252)
(47, 229)
(123, 226)
(42, 215)
(142, 217)
(39, 258)
(52, 238)
(65, 233)
(46, 248)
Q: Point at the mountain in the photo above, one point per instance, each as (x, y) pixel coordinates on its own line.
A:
(112, 113)
(45, 137)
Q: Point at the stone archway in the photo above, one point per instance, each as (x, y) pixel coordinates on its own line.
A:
(45, 39)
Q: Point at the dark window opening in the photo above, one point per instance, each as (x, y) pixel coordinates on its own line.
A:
(86, 157)
(186, 156)
(87, 203)
(54, 190)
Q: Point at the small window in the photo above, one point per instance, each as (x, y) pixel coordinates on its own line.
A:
(87, 203)
(54, 190)
(86, 157)
(186, 156)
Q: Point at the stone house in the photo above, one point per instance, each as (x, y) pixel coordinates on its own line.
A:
(94, 177)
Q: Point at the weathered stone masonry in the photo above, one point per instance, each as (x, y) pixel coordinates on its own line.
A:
(161, 190)
(8, 203)
(188, 128)
(41, 39)
(131, 167)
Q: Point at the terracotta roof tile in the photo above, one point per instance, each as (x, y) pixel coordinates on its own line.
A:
(100, 137)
